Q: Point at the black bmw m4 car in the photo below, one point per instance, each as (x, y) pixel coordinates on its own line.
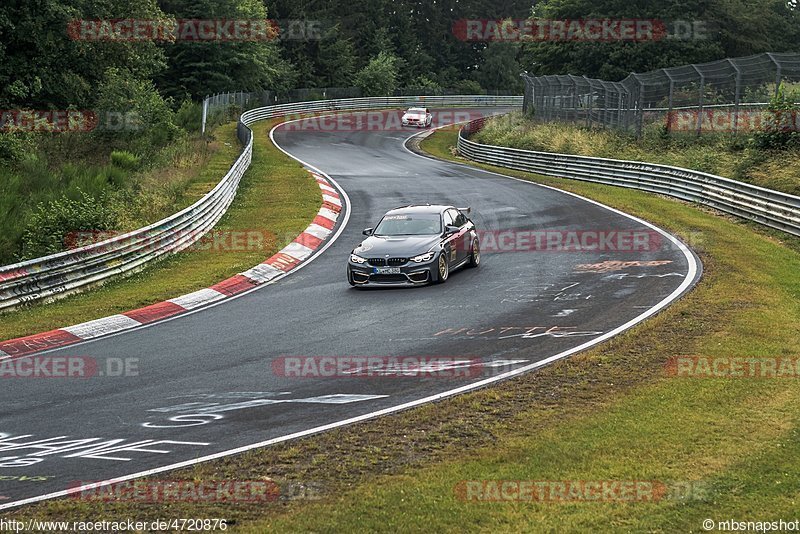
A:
(415, 245)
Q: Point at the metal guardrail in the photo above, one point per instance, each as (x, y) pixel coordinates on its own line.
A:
(765, 206)
(60, 274)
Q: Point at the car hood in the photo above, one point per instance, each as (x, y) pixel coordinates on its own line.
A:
(395, 246)
(414, 116)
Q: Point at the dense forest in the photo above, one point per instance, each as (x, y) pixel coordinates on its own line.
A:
(376, 44)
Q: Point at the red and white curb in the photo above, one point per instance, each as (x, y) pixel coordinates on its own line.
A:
(286, 260)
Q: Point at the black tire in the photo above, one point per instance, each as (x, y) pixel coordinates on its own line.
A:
(475, 255)
(442, 268)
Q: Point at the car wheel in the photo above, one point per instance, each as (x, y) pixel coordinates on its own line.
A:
(442, 269)
(475, 255)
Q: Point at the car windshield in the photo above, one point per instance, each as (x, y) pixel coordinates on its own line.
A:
(416, 111)
(409, 224)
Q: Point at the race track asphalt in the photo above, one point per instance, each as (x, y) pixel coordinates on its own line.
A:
(208, 382)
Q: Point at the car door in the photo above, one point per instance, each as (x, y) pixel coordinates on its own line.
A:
(464, 226)
(450, 244)
(458, 241)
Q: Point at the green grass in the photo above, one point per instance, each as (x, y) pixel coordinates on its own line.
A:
(724, 155)
(611, 413)
(276, 197)
(137, 190)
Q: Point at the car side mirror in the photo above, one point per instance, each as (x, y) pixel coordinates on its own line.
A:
(367, 231)
(450, 230)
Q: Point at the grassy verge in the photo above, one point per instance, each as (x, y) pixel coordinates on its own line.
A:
(276, 198)
(611, 413)
(124, 191)
(736, 157)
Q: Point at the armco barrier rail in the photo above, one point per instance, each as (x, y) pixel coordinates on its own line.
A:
(771, 208)
(60, 274)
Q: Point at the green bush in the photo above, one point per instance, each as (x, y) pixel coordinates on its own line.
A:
(780, 127)
(15, 145)
(189, 116)
(379, 76)
(51, 223)
(133, 115)
(124, 160)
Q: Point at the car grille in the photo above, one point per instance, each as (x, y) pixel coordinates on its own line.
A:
(388, 278)
(392, 262)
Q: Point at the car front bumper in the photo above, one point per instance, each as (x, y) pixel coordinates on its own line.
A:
(411, 274)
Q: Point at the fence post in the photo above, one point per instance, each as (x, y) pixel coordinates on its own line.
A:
(591, 103)
(777, 74)
(737, 97)
(669, 99)
(639, 106)
(700, 100)
(205, 114)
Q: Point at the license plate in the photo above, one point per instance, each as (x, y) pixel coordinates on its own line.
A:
(386, 270)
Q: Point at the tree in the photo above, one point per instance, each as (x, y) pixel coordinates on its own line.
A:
(43, 66)
(379, 76)
(500, 68)
(731, 28)
(198, 68)
(336, 60)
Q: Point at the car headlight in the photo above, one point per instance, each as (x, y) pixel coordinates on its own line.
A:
(428, 256)
(357, 259)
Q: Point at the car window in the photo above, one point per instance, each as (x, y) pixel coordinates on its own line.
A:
(448, 218)
(409, 224)
(461, 219)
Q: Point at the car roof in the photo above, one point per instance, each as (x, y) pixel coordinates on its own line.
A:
(419, 208)
(417, 108)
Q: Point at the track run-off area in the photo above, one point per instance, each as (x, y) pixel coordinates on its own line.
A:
(216, 382)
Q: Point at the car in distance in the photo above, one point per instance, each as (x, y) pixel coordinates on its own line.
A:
(415, 245)
(419, 117)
